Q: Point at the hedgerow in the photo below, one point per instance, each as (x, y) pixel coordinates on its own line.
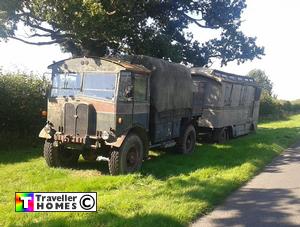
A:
(21, 101)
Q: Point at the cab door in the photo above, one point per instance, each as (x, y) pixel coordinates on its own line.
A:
(124, 111)
(141, 102)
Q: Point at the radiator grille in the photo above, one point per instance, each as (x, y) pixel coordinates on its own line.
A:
(76, 119)
(69, 119)
(82, 120)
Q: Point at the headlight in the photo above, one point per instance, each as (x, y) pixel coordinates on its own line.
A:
(105, 135)
(47, 128)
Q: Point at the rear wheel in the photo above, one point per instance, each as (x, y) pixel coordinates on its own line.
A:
(128, 158)
(59, 156)
(187, 141)
(221, 135)
(253, 128)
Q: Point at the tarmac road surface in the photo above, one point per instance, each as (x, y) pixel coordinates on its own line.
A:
(272, 198)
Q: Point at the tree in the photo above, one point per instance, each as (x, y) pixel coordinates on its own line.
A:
(151, 27)
(263, 80)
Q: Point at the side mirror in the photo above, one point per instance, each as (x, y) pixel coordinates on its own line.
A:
(129, 92)
(46, 89)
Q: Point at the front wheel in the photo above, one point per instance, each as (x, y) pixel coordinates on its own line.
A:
(128, 158)
(59, 156)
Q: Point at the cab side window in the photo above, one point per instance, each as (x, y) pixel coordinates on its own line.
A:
(140, 88)
(125, 86)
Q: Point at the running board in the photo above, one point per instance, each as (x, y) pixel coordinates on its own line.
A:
(167, 144)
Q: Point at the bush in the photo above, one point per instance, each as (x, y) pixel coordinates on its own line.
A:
(272, 108)
(269, 106)
(22, 101)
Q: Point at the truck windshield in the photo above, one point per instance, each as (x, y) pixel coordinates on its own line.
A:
(99, 85)
(65, 84)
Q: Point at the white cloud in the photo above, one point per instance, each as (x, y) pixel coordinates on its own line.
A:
(15, 56)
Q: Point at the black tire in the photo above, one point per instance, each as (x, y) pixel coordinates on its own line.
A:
(221, 135)
(253, 128)
(59, 156)
(128, 158)
(186, 143)
(50, 154)
(89, 156)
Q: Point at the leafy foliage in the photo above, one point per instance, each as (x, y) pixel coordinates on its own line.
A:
(269, 104)
(22, 101)
(263, 80)
(149, 27)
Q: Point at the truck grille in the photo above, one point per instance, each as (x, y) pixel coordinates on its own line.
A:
(79, 120)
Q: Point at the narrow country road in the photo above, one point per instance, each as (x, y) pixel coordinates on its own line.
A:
(272, 198)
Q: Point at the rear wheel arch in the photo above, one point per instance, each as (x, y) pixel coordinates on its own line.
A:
(185, 122)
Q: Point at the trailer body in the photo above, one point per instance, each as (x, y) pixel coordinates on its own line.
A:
(225, 100)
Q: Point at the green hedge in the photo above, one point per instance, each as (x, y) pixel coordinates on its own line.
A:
(270, 107)
(21, 103)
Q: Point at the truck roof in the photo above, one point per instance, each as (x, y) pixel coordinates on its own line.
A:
(131, 67)
(221, 76)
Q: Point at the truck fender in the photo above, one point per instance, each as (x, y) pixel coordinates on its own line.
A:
(118, 142)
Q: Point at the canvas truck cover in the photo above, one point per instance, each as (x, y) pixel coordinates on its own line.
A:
(170, 83)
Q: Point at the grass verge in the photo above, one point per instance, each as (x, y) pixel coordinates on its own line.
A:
(171, 190)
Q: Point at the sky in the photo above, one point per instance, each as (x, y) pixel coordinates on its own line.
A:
(275, 23)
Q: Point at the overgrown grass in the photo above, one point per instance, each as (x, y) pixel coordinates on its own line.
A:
(171, 190)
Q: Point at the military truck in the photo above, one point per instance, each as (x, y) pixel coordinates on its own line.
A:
(228, 104)
(114, 110)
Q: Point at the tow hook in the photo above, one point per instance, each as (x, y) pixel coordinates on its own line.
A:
(102, 158)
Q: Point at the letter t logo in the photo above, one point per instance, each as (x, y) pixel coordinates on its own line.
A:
(25, 201)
